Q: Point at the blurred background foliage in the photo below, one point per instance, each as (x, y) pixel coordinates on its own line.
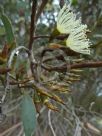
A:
(87, 93)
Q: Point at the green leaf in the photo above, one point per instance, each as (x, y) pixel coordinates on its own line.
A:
(28, 115)
(74, 2)
(2, 31)
(8, 28)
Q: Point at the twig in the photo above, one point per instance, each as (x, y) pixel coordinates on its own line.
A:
(40, 9)
(90, 112)
(11, 110)
(18, 124)
(92, 128)
(41, 36)
(21, 132)
(6, 88)
(59, 37)
(66, 119)
(50, 124)
(14, 101)
(10, 129)
(13, 53)
(32, 26)
(78, 129)
(87, 65)
(73, 66)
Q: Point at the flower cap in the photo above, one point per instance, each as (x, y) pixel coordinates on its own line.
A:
(68, 24)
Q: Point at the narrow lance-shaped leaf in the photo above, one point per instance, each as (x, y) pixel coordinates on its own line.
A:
(8, 29)
(28, 115)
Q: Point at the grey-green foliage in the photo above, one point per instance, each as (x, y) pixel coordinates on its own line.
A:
(8, 27)
(28, 115)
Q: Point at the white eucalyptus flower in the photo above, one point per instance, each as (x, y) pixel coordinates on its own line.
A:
(78, 42)
(65, 20)
(68, 24)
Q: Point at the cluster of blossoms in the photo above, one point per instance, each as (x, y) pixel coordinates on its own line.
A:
(68, 24)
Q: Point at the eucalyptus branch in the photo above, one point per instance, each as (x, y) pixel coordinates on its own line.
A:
(59, 37)
(87, 65)
(73, 66)
(41, 36)
(41, 8)
(32, 26)
(13, 53)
